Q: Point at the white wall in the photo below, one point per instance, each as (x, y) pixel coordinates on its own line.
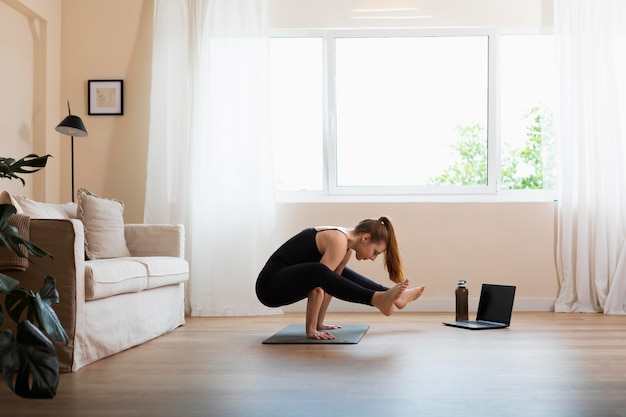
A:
(289, 14)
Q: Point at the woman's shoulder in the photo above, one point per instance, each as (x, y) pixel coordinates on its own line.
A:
(327, 228)
(331, 238)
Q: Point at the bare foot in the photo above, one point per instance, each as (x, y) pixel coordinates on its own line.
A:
(329, 327)
(385, 300)
(409, 295)
(320, 335)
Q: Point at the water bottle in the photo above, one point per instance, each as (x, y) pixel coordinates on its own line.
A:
(461, 301)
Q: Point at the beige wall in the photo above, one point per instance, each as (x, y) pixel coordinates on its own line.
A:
(16, 129)
(500, 243)
(111, 39)
(30, 45)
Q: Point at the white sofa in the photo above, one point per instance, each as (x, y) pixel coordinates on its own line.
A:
(111, 304)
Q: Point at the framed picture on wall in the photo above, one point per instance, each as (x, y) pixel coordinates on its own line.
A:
(106, 97)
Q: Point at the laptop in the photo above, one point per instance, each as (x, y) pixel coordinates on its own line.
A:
(494, 309)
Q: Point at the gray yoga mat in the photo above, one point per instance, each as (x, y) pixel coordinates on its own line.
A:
(294, 334)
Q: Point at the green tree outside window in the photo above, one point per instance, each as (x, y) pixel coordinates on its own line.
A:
(531, 166)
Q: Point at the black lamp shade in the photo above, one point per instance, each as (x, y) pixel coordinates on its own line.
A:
(72, 126)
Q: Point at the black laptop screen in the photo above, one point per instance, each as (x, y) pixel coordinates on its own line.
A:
(496, 303)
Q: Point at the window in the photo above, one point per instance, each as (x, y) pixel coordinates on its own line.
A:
(296, 113)
(528, 102)
(397, 113)
(400, 102)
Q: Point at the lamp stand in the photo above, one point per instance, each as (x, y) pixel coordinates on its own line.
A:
(72, 169)
(72, 126)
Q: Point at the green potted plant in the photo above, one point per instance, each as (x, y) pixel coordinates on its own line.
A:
(28, 359)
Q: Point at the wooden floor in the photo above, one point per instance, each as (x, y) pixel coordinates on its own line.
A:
(545, 364)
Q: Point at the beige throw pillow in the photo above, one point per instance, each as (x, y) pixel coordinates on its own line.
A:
(104, 226)
(7, 198)
(37, 210)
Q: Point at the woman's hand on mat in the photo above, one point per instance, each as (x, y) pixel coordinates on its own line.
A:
(328, 327)
(320, 336)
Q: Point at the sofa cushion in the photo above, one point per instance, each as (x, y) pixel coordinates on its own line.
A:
(107, 277)
(104, 226)
(164, 270)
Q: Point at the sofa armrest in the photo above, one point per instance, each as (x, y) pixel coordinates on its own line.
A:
(64, 239)
(155, 239)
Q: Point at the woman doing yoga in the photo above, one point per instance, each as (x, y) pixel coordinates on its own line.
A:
(312, 264)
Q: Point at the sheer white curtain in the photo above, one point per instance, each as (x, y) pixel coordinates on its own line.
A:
(209, 160)
(591, 248)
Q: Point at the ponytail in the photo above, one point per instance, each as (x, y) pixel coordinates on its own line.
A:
(381, 229)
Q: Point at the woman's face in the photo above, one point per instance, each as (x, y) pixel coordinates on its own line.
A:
(366, 249)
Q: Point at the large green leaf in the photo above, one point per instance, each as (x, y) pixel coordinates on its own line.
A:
(38, 372)
(11, 239)
(8, 356)
(9, 167)
(7, 284)
(34, 358)
(46, 315)
(30, 353)
(21, 304)
(17, 302)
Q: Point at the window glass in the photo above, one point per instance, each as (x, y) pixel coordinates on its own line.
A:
(528, 100)
(404, 107)
(296, 113)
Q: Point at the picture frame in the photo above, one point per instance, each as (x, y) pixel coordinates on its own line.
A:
(106, 97)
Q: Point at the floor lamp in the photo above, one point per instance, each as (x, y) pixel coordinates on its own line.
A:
(72, 126)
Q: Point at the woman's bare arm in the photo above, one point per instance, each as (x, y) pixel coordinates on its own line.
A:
(333, 245)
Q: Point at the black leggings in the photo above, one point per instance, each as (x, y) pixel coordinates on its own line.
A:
(277, 287)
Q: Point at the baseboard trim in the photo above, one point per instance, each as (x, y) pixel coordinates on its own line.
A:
(429, 305)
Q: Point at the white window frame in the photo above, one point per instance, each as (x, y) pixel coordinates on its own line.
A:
(334, 193)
